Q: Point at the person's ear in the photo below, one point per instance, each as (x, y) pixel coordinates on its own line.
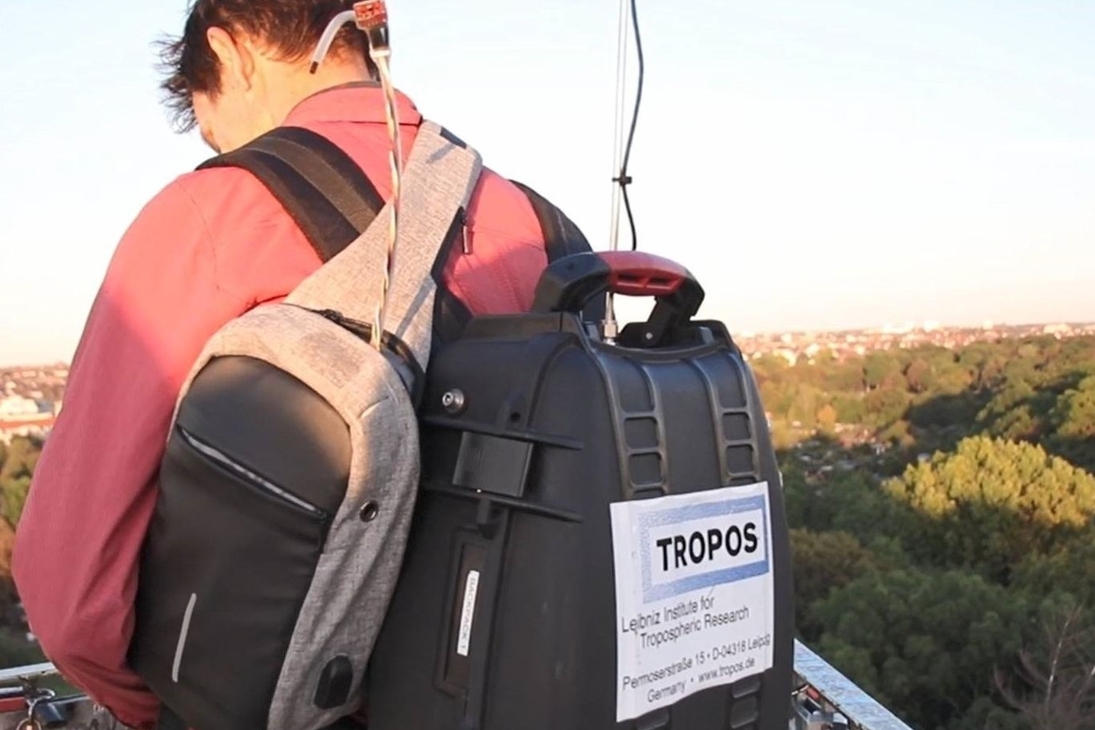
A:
(236, 59)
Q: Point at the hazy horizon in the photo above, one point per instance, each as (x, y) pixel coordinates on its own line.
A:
(741, 332)
(819, 165)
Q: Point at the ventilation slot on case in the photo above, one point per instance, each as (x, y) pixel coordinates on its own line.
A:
(734, 423)
(644, 435)
(745, 707)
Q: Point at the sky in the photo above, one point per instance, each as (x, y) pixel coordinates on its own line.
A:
(818, 164)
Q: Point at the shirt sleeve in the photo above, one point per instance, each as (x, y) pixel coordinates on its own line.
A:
(93, 492)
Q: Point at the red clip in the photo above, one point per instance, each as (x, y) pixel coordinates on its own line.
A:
(370, 14)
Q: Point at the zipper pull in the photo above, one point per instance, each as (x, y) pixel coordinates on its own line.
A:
(331, 314)
(464, 230)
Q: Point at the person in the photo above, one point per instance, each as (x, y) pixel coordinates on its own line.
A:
(207, 248)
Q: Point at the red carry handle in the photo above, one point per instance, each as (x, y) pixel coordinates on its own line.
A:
(569, 283)
(640, 274)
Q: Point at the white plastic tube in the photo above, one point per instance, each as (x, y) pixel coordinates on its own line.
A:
(328, 37)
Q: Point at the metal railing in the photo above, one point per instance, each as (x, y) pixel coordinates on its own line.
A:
(824, 699)
(25, 704)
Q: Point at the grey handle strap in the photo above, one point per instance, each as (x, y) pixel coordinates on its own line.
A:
(440, 175)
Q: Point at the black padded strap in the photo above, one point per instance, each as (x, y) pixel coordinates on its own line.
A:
(562, 237)
(319, 185)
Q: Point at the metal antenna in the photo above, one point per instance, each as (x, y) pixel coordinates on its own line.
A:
(622, 150)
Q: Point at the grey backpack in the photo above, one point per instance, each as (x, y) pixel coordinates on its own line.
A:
(291, 471)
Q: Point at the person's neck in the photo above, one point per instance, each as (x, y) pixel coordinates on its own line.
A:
(297, 83)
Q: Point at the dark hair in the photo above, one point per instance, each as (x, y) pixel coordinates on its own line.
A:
(292, 28)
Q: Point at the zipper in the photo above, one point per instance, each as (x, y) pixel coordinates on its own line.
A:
(251, 478)
(359, 328)
(393, 344)
(463, 218)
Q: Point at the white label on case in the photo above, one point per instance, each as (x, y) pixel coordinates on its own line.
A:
(471, 588)
(694, 594)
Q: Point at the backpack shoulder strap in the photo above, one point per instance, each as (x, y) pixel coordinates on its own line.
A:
(322, 189)
(332, 201)
(438, 179)
(562, 237)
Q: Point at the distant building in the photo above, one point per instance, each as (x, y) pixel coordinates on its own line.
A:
(789, 355)
(17, 405)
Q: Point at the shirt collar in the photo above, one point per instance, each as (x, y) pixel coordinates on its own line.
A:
(359, 101)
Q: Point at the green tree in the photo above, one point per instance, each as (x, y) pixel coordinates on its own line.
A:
(953, 379)
(809, 373)
(844, 377)
(1077, 356)
(823, 562)
(990, 504)
(1074, 413)
(1022, 369)
(1067, 570)
(992, 371)
(849, 502)
(897, 433)
(7, 586)
(16, 651)
(938, 371)
(881, 368)
(984, 362)
(805, 405)
(1073, 422)
(885, 407)
(942, 410)
(1022, 423)
(920, 376)
(15, 477)
(783, 436)
(769, 368)
(1008, 413)
(926, 644)
(849, 408)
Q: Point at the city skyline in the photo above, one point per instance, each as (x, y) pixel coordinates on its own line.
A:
(865, 165)
(840, 342)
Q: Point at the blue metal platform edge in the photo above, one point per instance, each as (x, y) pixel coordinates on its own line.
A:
(843, 704)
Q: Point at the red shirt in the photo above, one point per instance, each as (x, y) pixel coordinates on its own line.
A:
(210, 246)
